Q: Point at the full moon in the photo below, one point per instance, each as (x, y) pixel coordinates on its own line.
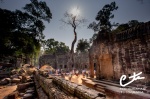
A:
(75, 11)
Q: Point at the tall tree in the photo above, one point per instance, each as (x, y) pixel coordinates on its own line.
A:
(8, 24)
(41, 12)
(16, 37)
(103, 17)
(21, 32)
(73, 20)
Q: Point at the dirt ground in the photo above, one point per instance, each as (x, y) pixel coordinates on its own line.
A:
(6, 90)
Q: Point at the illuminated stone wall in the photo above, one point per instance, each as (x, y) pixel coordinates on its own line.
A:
(128, 52)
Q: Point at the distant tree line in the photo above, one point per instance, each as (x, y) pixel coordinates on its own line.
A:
(52, 47)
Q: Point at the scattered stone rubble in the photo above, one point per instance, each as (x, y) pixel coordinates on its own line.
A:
(24, 81)
(16, 78)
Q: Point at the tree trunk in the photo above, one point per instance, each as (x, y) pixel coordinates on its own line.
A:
(73, 42)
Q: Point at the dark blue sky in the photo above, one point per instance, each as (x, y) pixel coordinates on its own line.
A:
(128, 10)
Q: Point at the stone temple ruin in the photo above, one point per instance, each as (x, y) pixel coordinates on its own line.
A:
(127, 52)
(61, 60)
(111, 55)
(58, 60)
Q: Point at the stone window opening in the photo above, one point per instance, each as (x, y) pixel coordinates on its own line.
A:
(60, 66)
(94, 66)
(65, 66)
(85, 66)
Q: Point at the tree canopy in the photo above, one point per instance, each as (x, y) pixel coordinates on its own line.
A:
(103, 17)
(21, 32)
(41, 12)
(83, 45)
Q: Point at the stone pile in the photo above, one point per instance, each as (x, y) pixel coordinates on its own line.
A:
(44, 73)
(23, 91)
(28, 93)
(15, 79)
(23, 77)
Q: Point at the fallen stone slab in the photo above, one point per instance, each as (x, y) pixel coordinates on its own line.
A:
(15, 80)
(20, 77)
(25, 85)
(14, 76)
(21, 94)
(30, 91)
(8, 79)
(28, 96)
(4, 81)
(22, 71)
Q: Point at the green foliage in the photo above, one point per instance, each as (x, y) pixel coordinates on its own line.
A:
(8, 24)
(16, 34)
(121, 27)
(103, 17)
(83, 45)
(40, 10)
(93, 37)
(134, 23)
(125, 26)
(55, 47)
(21, 32)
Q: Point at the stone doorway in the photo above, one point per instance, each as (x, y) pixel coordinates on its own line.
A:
(106, 67)
(94, 66)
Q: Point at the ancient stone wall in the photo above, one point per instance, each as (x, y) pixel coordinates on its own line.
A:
(61, 61)
(57, 61)
(129, 52)
(47, 59)
(58, 88)
(82, 60)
